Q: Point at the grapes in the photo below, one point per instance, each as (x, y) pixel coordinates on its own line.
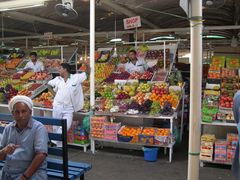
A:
(134, 105)
(167, 109)
(146, 107)
(2, 89)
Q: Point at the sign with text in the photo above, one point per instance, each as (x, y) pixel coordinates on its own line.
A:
(133, 22)
(48, 35)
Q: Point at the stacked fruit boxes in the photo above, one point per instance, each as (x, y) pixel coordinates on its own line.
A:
(207, 143)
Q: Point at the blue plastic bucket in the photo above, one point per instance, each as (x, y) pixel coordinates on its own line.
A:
(150, 154)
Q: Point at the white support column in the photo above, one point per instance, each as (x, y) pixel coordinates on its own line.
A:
(92, 51)
(195, 89)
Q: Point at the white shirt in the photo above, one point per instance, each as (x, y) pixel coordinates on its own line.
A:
(69, 93)
(37, 67)
(140, 66)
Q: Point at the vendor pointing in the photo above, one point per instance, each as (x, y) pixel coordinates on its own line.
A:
(134, 64)
(34, 64)
(68, 95)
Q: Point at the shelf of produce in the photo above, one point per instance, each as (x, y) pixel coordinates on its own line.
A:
(170, 145)
(80, 145)
(202, 162)
(219, 124)
(101, 113)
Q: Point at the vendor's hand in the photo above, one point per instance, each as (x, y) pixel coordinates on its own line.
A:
(10, 148)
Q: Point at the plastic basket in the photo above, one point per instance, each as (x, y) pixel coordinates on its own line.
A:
(150, 154)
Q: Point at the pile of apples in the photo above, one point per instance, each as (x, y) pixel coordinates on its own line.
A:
(147, 75)
(40, 76)
(226, 101)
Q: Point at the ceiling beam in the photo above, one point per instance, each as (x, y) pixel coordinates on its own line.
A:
(19, 31)
(120, 9)
(31, 18)
(105, 33)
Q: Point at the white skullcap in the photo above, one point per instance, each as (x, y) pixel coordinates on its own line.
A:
(23, 99)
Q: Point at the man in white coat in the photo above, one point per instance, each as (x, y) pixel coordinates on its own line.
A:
(34, 65)
(134, 64)
(68, 95)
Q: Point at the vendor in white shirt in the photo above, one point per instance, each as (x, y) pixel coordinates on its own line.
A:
(34, 65)
(134, 64)
(68, 95)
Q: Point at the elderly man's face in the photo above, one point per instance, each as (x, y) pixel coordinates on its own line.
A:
(21, 113)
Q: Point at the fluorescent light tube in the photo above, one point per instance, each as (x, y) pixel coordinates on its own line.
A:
(23, 4)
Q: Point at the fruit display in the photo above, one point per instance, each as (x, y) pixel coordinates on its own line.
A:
(97, 55)
(144, 87)
(130, 89)
(129, 134)
(27, 76)
(18, 75)
(135, 75)
(108, 104)
(232, 80)
(233, 62)
(147, 136)
(97, 124)
(122, 76)
(44, 100)
(102, 71)
(156, 54)
(48, 52)
(167, 109)
(51, 65)
(86, 106)
(39, 76)
(139, 97)
(229, 89)
(214, 75)
(25, 92)
(122, 95)
(34, 86)
(162, 132)
(160, 75)
(147, 75)
(146, 107)
(226, 101)
(4, 82)
(104, 57)
(214, 68)
(155, 108)
(22, 64)
(228, 72)
(175, 78)
(8, 92)
(134, 105)
(12, 64)
(148, 131)
(160, 64)
(218, 61)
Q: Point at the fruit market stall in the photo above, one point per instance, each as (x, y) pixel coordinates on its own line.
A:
(140, 100)
(217, 114)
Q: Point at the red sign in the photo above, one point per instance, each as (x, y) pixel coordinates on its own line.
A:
(133, 22)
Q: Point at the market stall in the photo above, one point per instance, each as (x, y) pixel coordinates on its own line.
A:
(155, 94)
(219, 138)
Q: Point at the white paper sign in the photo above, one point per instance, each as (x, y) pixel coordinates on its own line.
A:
(48, 35)
(133, 22)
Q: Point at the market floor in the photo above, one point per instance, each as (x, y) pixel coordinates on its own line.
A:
(117, 164)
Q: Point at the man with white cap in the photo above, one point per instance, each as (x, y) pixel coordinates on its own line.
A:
(24, 144)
